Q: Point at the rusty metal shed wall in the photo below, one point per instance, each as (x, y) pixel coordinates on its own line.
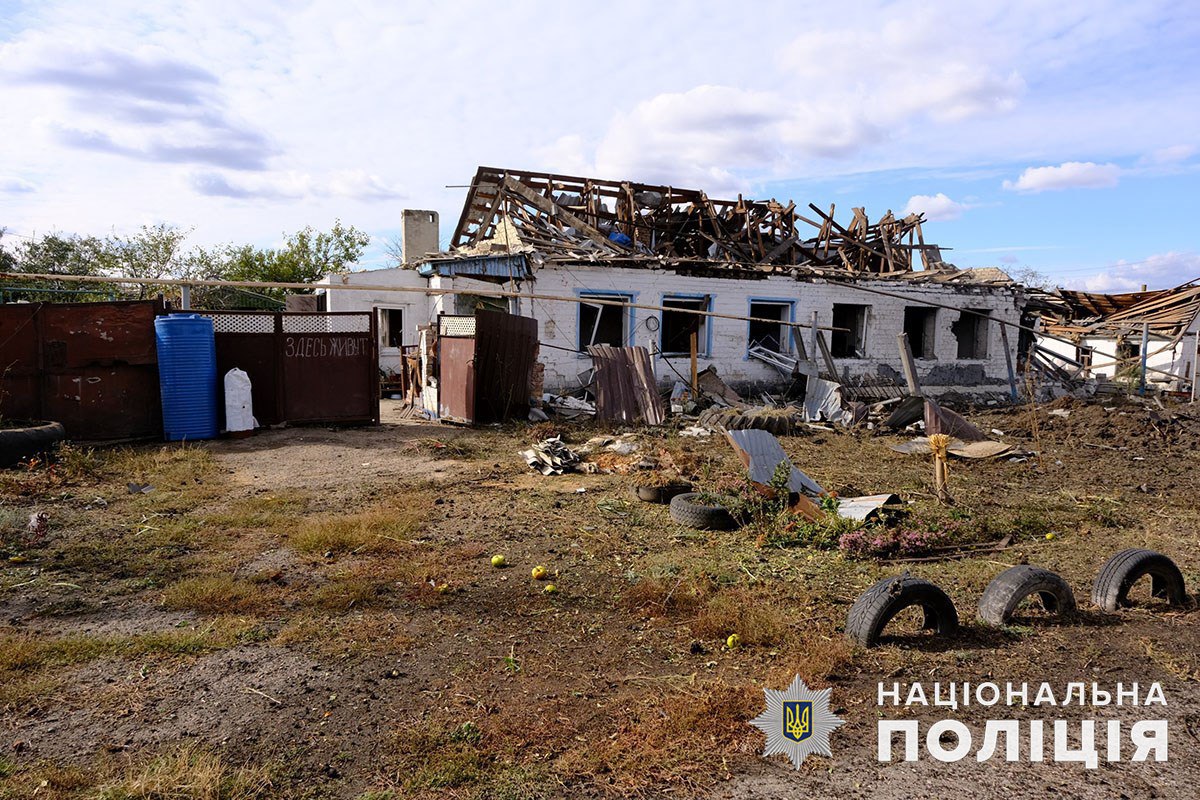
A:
(91, 366)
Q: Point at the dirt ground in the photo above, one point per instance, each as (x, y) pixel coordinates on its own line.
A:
(313, 613)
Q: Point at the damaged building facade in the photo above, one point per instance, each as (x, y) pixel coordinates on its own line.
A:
(636, 263)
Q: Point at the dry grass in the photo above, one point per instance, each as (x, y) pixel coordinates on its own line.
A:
(680, 740)
(756, 619)
(217, 594)
(374, 531)
(189, 772)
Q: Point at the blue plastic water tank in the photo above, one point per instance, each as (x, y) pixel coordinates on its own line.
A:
(187, 376)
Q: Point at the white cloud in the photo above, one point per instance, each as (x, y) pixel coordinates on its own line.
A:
(1168, 156)
(1068, 175)
(1159, 271)
(936, 208)
(15, 185)
(355, 184)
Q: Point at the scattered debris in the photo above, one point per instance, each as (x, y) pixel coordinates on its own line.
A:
(140, 488)
(550, 457)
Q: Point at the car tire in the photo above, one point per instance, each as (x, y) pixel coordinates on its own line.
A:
(877, 606)
(686, 509)
(1111, 589)
(1006, 591)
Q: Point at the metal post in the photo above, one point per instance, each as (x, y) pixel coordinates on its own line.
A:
(1008, 361)
(812, 351)
(185, 296)
(1195, 361)
(1145, 353)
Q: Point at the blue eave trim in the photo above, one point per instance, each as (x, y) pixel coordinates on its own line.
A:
(512, 267)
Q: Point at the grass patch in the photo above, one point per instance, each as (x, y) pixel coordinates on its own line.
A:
(680, 741)
(375, 531)
(756, 620)
(189, 772)
(351, 591)
(216, 594)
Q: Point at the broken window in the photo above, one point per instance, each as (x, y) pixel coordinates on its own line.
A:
(849, 340)
(468, 304)
(920, 322)
(1083, 354)
(603, 324)
(971, 330)
(678, 325)
(391, 327)
(771, 333)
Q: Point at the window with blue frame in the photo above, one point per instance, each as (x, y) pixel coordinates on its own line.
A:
(679, 322)
(768, 325)
(600, 323)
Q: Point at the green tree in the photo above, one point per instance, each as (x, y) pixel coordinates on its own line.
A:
(58, 254)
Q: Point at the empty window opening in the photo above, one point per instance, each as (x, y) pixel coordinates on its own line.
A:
(603, 324)
(679, 325)
(391, 327)
(771, 333)
(1083, 354)
(849, 341)
(971, 330)
(920, 323)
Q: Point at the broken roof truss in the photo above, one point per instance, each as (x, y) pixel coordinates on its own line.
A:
(570, 218)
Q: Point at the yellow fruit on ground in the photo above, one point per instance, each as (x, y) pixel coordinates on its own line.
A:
(1049, 536)
(733, 642)
(550, 589)
(540, 572)
(499, 561)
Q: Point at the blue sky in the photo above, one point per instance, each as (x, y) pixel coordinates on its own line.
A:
(1055, 136)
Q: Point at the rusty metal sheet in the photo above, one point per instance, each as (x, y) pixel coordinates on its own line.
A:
(96, 334)
(625, 387)
(90, 366)
(303, 367)
(456, 378)
(505, 349)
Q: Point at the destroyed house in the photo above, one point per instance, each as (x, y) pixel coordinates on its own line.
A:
(740, 283)
(1089, 335)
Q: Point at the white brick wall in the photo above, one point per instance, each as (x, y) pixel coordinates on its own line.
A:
(558, 321)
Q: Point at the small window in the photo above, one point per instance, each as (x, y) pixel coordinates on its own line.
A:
(849, 341)
(1083, 354)
(391, 327)
(603, 324)
(971, 330)
(920, 323)
(773, 335)
(679, 325)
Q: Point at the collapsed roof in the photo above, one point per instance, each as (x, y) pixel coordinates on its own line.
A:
(1168, 313)
(569, 219)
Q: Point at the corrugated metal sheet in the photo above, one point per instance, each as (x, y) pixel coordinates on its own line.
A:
(512, 267)
(625, 387)
(91, 366)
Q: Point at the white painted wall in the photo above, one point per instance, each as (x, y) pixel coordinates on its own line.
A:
(416, 306)
(1177, 359)
(727, 351)
(727, 345)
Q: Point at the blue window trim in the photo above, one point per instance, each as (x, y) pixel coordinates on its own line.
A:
(790, 302)
(630, 313)
(708, 324)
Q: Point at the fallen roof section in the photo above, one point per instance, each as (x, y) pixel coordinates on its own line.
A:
(570, 218)
(1168, 313)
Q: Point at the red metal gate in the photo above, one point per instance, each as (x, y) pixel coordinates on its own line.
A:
(91, 366)
(303, 367)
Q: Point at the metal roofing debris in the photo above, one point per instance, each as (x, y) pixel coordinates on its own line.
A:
(550, 457)
(762, 453)
(625, 387)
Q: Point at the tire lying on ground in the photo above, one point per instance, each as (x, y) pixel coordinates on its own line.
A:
(661, 494)
(877, 606)
(686, 509)
(17, 444)
(1119, 573)
(1009, 588)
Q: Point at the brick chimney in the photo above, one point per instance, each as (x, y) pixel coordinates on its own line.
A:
(418, 234)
